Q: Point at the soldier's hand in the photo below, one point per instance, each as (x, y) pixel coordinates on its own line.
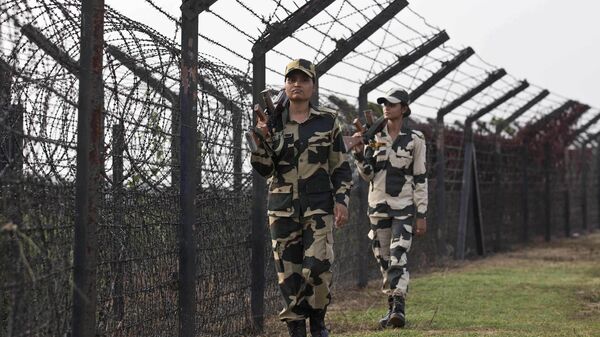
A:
(261, 124)
(264, 129)
(421, 227)
(340, 214)
(359, 148)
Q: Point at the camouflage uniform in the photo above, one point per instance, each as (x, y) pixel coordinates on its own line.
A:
(398, 193)
(306, 177)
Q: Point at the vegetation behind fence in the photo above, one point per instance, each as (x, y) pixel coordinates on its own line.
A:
(527, 191)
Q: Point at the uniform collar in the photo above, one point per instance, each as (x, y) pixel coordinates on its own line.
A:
(386, 134)
(311, 113)
(314, 111)
(403, 130)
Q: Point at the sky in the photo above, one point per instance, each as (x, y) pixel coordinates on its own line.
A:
(555, 44)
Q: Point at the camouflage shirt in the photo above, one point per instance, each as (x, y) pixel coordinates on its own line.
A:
(310, 172)
(397, 175)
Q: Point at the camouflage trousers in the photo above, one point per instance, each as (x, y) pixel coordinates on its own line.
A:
(303, 252)
(391, 239)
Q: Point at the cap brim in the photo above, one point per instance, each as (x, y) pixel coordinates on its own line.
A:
(390, 99)
(299, 69)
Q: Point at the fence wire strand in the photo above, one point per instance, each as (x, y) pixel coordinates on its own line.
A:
(137, 267)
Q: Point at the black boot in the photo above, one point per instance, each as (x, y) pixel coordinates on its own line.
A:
(397, 319)
(317, 324)
(384, 320)
(296, 328)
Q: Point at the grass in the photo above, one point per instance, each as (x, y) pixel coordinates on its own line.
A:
(545, 290)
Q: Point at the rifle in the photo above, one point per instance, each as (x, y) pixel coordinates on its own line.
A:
(271, 116)
(368, 131)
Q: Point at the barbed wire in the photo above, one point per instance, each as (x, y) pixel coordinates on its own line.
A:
(138, 210)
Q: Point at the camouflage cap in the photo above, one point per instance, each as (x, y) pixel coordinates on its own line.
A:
(303, 65)
(396, 95)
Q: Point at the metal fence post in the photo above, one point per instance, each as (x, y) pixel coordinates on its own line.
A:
(90, 132)
(188, 98)
(524, 156)
(597, 181)
(259, 219)
(11, 143)
(11, 162)
(547, 197)
(440, 187)
(498, 194)
(469, 194)
(566, 194)
(470, 203)
(11, 150)
(118, 144)
(584, 184)
(237, 147)
(362, 240)
(465, 193)
(172, 97)
(362, 277)
(525, 192)
(598, 184)
(567, 207)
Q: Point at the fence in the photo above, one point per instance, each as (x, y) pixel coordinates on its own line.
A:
(531, 185)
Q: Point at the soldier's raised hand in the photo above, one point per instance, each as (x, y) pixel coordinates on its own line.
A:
(261, 121)
(359, 148)
(261, 124)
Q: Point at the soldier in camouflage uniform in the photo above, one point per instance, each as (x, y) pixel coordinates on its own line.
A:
(394, 164)
(309, 188)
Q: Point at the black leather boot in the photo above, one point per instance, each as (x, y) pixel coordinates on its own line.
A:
(397, 319)
(296, 328)
(384, 320)
(317, 324)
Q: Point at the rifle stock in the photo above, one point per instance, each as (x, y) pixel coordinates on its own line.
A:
(269, 116)
(368, 135)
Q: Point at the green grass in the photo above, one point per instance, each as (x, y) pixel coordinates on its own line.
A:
(548, 290)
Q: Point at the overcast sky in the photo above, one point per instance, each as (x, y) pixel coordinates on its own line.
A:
(554, 44)
(551, 43)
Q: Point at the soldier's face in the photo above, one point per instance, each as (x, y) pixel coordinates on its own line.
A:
(298, 86)
(393, 111)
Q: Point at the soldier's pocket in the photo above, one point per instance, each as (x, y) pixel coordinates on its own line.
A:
(318, 148)
(319, 194)
(288, 151)
(403, 158)
(280, 201)
(380, 156)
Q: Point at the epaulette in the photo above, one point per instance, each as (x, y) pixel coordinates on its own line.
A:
(322, 110)
(418, 133)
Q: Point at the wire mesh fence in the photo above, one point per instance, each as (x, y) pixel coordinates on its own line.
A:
(137, 269)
